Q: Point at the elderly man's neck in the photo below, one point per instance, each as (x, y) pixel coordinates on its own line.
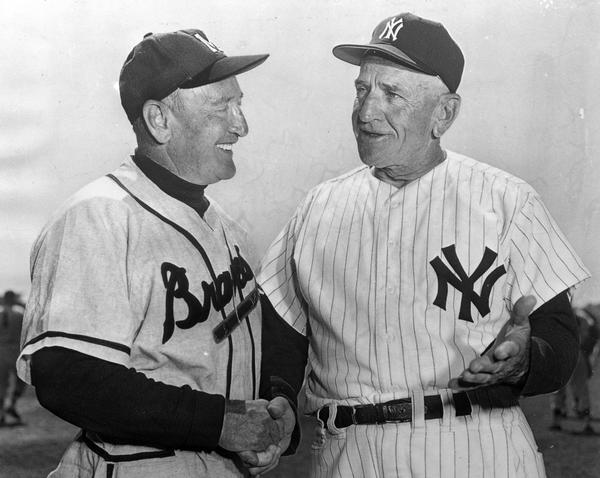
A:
(401, 175)
(158, 155)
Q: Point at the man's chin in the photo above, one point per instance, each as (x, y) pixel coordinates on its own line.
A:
(372, 159)
(227, 173)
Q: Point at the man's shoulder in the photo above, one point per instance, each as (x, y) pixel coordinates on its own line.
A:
(93, 199)
(496, 177)
(342, 181)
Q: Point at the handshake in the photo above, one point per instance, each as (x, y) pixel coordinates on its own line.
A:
(259, 431)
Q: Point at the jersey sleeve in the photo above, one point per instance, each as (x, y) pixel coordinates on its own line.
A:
(79, 286)
(542, 262)
(277, 275)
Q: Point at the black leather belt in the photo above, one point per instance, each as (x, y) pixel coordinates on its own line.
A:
(393, 411)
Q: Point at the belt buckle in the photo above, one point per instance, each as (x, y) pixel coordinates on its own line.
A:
(400, 412)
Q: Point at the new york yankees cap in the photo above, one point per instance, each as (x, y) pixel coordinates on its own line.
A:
(414, 42)
(163, 62)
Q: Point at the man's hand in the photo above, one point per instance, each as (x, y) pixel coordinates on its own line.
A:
(248, 425)
(263, 462)
(259, 462)
(507, 361)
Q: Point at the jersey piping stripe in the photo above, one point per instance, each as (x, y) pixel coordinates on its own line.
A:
(202, 252)
(82, 338)
(144, 455)
(253, 347)
(176, 226)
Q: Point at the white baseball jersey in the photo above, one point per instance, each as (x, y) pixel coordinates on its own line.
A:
(128, 274)
(399, 289)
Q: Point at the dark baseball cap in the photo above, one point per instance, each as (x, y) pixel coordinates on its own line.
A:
(163, 62)
(414, 42)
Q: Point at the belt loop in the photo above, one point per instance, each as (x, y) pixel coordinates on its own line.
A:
(331, 420)
(448, 411)
(418, 409)
(319, 440)
(318, 415)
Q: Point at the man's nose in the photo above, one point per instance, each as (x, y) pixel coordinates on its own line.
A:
(239, 126)
(369, 107)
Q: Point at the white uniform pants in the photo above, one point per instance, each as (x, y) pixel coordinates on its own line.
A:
(494, 443)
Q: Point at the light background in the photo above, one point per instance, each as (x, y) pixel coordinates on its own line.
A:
(530, 103)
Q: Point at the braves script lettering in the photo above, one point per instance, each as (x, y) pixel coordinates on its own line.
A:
(215, 294)
(464, 283)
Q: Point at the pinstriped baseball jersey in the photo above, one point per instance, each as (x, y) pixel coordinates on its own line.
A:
(401, 288)
(128, 274)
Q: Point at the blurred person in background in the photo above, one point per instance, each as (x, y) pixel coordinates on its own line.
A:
(578, 385)
(11, 386)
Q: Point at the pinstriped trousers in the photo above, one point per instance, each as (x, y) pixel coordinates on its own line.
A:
(490, 443)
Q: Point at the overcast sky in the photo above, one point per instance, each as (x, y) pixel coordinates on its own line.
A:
(530, 103)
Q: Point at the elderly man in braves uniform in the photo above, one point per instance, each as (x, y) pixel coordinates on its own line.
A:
(143, 325)
(433, 289)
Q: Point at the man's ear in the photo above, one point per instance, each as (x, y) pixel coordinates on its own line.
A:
(157, 120)
(446, 112)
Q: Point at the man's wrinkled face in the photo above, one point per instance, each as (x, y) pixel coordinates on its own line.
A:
(207, 121)
(392, 115)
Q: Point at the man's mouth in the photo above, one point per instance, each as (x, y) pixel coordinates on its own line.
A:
(225, 146)
(370, 134)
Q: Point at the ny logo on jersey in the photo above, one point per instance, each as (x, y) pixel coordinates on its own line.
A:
(391, 29)
(464, 283)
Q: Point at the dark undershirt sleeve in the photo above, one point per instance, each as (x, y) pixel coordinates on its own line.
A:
(554, 346)
(123, 405)
(284, 356)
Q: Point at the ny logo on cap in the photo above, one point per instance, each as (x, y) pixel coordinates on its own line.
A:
(391, 29)
(214, 48)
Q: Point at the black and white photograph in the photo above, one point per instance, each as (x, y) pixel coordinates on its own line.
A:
(300, 239)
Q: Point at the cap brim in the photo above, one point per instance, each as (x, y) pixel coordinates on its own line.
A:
(224, 68)
(355, 53)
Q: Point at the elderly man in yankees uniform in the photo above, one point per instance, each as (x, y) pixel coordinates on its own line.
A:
(143, 325)
(433, 289)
